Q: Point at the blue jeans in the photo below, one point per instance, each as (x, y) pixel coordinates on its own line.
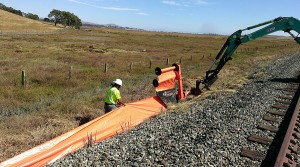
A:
(108, 108)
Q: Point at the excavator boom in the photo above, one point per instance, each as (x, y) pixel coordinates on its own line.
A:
(286, 24)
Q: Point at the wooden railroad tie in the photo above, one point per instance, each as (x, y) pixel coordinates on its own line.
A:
(260, 139)
(287, 102)
(277, 113)
(283, 107)
(289, 93)
(254, 155)
(294, 84)
(272, 119)
(268, 127)
(285, 97)
(295, 88)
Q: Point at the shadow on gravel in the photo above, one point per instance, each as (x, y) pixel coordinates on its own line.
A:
(275, 146)
(286, 80)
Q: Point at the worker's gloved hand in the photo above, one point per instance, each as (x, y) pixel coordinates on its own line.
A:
(121, 103)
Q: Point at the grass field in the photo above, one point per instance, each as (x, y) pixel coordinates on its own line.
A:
(66, 81)
(14, 23)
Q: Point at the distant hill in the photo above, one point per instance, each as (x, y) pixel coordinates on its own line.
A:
(10, 22)
(113, 26)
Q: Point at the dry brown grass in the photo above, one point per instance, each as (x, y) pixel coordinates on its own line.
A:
(51, 104)
(14, 23)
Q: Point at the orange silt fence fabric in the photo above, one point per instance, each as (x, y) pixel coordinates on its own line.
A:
(166, 81)
(98, 129)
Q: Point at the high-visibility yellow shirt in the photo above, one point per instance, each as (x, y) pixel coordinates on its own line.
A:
(112, 95)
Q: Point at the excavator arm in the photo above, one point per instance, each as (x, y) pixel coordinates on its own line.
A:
(286, 24)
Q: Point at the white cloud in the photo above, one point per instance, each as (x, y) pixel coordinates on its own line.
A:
(115, 8)
(201, 2)
(171, 3)
(144, 14)
(103, 7)
(185, 3)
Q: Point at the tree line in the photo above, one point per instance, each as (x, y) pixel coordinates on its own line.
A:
(11, 10)
(55, 16)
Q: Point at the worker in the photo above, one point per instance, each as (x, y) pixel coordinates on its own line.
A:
(113, 96)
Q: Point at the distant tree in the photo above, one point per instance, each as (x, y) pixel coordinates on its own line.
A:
(32, 16)
(71, 20)
(65, 18)
(55, 16)
(46, 20)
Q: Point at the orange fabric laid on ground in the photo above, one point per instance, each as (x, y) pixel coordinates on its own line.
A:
(166, 81)
(99, 129)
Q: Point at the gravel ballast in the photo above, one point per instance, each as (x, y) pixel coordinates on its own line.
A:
(211, 132)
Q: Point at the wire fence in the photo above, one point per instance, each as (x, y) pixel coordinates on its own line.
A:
(65, 72)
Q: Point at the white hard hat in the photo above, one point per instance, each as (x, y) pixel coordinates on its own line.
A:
(118, 81)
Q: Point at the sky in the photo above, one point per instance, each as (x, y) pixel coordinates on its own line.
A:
(187, 16)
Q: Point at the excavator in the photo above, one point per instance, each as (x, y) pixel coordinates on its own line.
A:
(166, 77)
(286, 24)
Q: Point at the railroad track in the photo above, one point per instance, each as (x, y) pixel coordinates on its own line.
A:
(283, 120)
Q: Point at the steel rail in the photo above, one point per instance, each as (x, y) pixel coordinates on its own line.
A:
(289, 145)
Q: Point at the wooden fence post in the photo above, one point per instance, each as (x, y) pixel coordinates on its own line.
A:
(70, 72)
(105, 67)
(23, 78)
(167, 62)
(131, 64)
(150, 65)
